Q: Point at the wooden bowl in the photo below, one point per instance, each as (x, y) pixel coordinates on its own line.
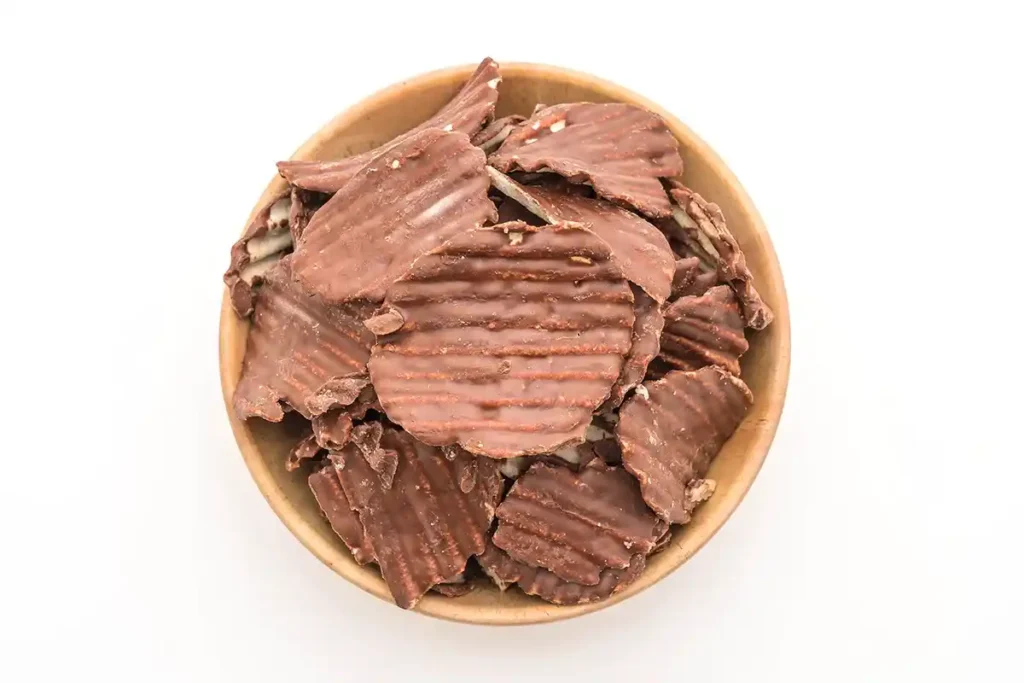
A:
(394, 110)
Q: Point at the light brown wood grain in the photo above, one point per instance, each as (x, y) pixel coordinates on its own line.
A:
(765, 367)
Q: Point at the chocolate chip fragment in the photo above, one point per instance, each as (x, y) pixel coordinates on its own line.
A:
(506, 349)
(385, 323)
(672, 428)
(331, 498)
(306, 449)
(298, 350)
(403, 203)
(647, 332)
(423, 528)
(575, 524)
(701, 226)
(505, 571)
(692, 277)
(639, 247)
(470, 109)
(704, 330)
(333, 429)
(495, 132)
(620, 149)
(261, 246)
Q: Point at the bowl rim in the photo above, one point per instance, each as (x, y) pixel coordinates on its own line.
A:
(452, 610)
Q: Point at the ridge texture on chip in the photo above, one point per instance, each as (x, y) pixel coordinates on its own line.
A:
(620, 149)
(333, 502)
(576, 524)
(647, 334)
(298, 347)
(641, 250)
(504, 571)
(671, 429)
(466, 112)
(511, 336)
(704, 330)
(403, 203)
(422, 527)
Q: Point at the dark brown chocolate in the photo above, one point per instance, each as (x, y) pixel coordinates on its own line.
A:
(640, 248)
(575, 524)
(402, 204)
(512, 336)
(504, 572)
(423, 528)
(304, 205)
(467, 112)
(704, 330)
(335, 505)
(264, 242)
(298, 349)
(701, 226)
(671, 429)
(620, 149)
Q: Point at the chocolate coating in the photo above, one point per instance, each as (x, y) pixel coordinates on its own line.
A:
(620, 149)
(512, 336)
(402, 204)
(672, 428)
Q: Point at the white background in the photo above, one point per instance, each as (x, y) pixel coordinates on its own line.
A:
(882, 540)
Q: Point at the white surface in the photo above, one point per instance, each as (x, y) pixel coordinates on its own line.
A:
(882, 540)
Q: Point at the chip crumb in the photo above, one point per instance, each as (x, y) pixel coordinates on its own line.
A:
(396, 163)
(448, 128)
(581, 259)
(642, 392)
(530, 141)
(557, 126)
(515, 238)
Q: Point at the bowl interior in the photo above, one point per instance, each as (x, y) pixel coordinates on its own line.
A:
(765, 367)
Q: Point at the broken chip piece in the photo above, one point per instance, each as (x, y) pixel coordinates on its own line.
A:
(306, 449)
(619, 149)
(704, 330)
(402, 204)
(512, 336)
(332, 429)
(640, 248)
(298, 349)
(692, 278)
(456, 588)
(466, 112)
(331, 498)
(261, 246)
(423, 528)
(576, 524)
(701, 226)
(671, 429)
(647, 333)
(504, 572)
(495, 132)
